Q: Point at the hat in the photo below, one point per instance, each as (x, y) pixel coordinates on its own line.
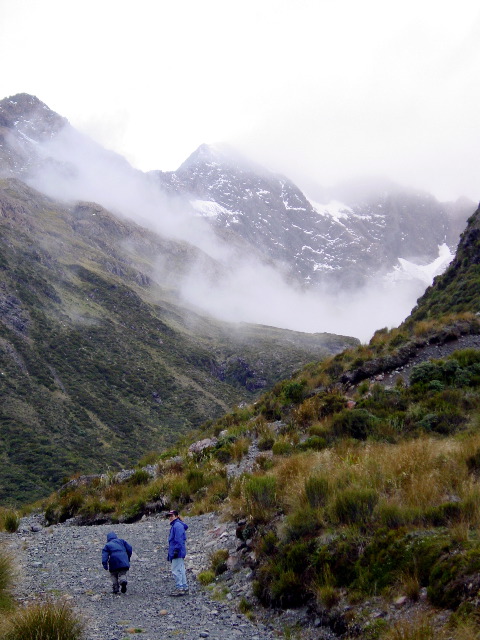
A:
(173, 512)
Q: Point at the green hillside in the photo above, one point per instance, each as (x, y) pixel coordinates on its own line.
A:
(99, 362)
(360, 488)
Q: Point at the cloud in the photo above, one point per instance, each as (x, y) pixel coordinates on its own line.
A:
(241, 288)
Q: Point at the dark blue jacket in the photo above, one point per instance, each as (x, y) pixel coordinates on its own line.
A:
(116, 553)
(177, 539)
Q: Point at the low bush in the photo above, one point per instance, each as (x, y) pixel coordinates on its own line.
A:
(206, 577)
(354, 423)
(260, 493)
(282, 448)
(316, 490)
(46, 621)
(9, 521)
(218, 561)
(353, 506)
(139, 477)
(6, 580)
(303, 523)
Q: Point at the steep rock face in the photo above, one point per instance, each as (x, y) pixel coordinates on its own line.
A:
(351, 237)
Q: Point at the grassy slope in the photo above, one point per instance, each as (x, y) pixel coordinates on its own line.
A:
(97, 362)
(351, 504)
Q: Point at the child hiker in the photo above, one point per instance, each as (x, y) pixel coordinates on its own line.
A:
(177, 550)
(116, 559)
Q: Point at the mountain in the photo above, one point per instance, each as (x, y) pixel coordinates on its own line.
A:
(357, 232)
(100, 359)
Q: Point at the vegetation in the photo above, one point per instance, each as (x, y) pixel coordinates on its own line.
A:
(98, 361)
(44, 621)
(364, 487)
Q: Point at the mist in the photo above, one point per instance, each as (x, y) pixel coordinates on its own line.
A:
(242, 288)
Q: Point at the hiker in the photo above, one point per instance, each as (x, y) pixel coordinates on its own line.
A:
(177, 550)
(116, 559)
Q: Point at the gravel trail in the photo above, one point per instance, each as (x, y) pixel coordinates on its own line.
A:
(64, 561)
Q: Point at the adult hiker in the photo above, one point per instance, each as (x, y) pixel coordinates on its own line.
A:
(116, 559)
(177, 550)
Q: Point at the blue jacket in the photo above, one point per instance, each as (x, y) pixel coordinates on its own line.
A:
(116, 553)
(177, 539)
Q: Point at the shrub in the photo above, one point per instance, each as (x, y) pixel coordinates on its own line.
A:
(356, 423)
(450, 577)
(282, 448)
(206, 577)
(10, 521)
(218, 561)
(317, 443)
(302, 523)
(139, 477)
(327, 596)
(316, 490)
(195, 480)
(47, 621)
(353, 506)
(287, 590)
(418, 628)
(266, 442)
(294, 391)
(224, 453)
(180, 491)
(244, 606)
(268, 544)
(260, 493)
(6, 580)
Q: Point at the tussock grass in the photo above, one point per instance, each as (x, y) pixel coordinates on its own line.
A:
(6, 580)
(9, 520)
(45, 621)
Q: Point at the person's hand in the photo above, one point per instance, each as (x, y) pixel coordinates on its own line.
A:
(175, 555)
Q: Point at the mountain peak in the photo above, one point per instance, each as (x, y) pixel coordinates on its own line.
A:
(29, 116)
(210, 154)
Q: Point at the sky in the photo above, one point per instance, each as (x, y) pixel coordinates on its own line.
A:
(320, 90)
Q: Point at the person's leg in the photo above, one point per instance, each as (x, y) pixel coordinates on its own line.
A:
(177, 572)
(183, 575)
(114, 577)
(122, 579)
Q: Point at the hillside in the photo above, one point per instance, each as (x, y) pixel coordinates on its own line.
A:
(354, 484)
(100, 361)
(458, 289)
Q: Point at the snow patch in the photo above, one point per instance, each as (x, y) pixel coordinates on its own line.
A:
(335, 209)
(210, 209)
(407, 270)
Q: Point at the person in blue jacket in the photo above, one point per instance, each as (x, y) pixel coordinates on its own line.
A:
(177, 550)
(116, 559)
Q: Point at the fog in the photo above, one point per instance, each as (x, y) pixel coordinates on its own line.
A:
(315, 89)
(242, 288)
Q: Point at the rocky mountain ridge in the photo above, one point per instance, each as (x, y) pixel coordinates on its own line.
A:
(346, 241)
(354, 234)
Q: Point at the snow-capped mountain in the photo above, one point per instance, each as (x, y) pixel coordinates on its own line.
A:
(339, 241)
(340, 238)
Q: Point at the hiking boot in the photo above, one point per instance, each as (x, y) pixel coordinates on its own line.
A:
(178, 592)
(123, 587)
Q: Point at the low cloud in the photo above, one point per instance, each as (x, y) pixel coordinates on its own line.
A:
(242, 288)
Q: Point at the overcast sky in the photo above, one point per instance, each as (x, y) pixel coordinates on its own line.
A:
(322, 89)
